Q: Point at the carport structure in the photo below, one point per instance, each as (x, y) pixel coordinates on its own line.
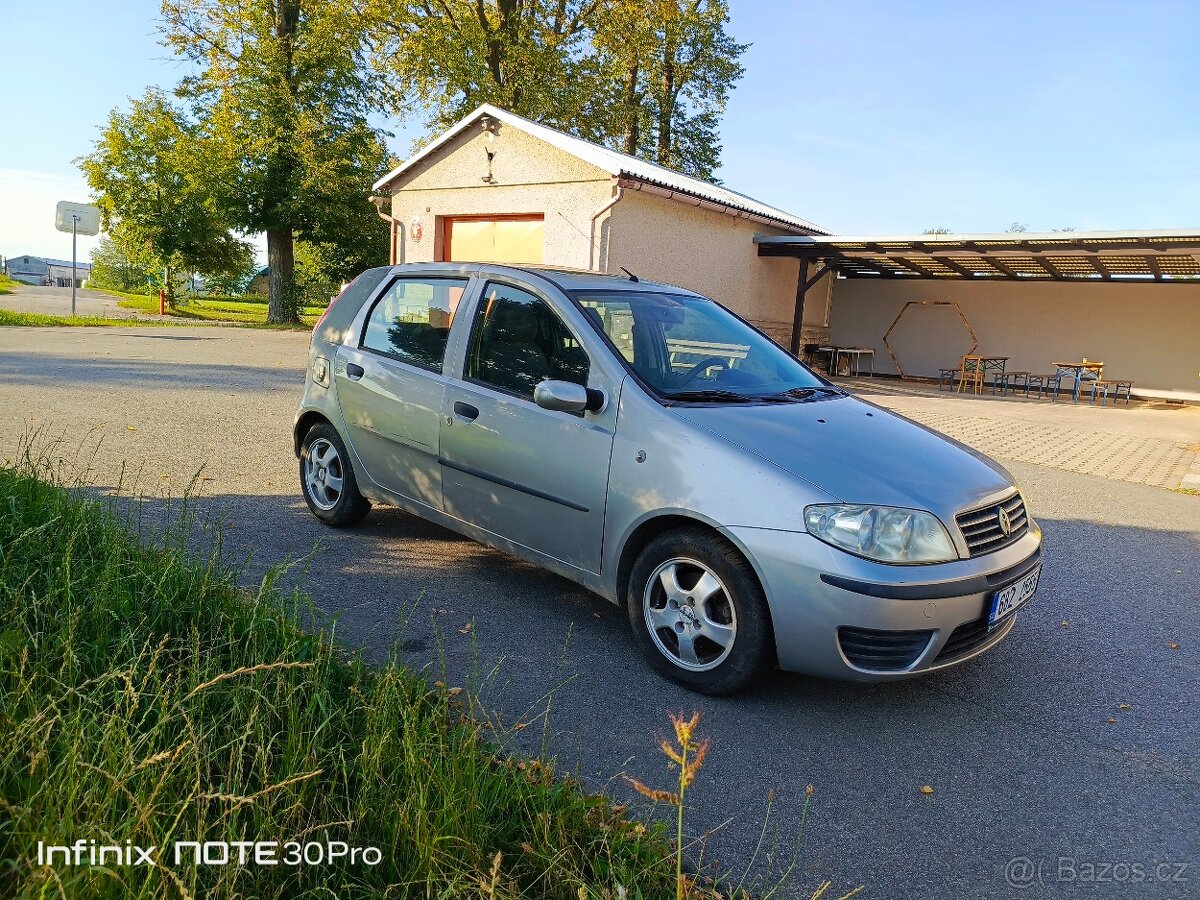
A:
(1166, 257)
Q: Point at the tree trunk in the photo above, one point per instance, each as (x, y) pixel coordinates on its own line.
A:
(633, 109)
(666, 106)
(169, 285)
(281, 270)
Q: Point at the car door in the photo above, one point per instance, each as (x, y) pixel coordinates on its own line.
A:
(390, 384)
(534, 476)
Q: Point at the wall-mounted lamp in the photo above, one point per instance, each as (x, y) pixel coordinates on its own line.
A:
(490, 128)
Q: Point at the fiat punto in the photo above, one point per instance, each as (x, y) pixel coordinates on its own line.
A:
(650, 445)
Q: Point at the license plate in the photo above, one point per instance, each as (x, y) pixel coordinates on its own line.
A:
(1007, 601)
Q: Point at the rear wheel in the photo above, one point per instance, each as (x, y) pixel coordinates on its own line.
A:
(699, 613)
(327, 479)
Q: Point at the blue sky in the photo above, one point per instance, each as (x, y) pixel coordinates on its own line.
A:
(862, 117)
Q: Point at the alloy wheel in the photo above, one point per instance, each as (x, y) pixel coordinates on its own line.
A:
(689, 614)
(323, 473)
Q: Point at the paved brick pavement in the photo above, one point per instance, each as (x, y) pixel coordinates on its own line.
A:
(1144, 443)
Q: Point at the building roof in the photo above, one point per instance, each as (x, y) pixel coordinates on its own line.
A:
(16, 257)
(619, 165)
(1168, 255)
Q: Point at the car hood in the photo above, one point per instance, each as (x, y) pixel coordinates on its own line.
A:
(858, 452)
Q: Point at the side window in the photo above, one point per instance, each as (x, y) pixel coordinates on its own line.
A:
(411, 321)
(518, 342)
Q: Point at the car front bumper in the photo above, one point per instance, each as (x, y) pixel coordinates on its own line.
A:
(839, 616)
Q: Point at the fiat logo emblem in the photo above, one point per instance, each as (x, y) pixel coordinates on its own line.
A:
(1005, 522)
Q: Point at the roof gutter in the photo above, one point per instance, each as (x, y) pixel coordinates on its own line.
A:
(636, 184)
(616, 197)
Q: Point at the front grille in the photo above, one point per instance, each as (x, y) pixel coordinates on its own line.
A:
(882, 650)
(965, 638)
(981, 527)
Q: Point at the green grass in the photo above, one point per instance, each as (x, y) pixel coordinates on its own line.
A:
(237, 310)
(7, 284)
(14, 317)
(144, 697)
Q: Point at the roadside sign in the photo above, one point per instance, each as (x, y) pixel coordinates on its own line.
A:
(77, 217)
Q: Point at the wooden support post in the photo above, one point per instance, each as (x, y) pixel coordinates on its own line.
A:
(798, 315)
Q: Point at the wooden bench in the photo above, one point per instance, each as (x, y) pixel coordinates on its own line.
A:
(1102, 387)
(1005, 380)
(1045, 384)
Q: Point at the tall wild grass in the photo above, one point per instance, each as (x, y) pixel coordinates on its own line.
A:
(146, 698)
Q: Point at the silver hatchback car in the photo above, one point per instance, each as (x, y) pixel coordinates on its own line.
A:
(648, 444)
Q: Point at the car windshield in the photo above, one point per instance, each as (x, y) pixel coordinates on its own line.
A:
(691, 348)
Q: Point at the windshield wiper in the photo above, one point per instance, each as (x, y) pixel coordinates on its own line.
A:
(713, 396)
(716, 395)
(806, 393)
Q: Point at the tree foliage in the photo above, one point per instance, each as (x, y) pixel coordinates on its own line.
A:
(448, 56)
(670, 65)
(283, 95)
(149, 179)
(650, 77)
(123, 263)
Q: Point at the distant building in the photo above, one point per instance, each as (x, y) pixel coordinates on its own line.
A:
(39, 270)
(258, 284)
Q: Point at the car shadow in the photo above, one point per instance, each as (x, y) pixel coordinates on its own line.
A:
(1077, 732)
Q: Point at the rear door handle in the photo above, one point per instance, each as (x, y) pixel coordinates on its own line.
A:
(354, 371)
(466, 410)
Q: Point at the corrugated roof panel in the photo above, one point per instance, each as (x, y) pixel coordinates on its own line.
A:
(611, 161)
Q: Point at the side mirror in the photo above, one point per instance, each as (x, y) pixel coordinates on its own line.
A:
(566, 396)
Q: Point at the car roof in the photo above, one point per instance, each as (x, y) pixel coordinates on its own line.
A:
(564, 278)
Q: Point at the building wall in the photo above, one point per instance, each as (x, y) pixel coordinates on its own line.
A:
(32, 272)
(658, 239)
(712, 253)
(1147, 332)
(530, 177)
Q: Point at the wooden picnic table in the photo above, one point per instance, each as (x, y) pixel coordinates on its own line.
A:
(977, 365)
(1076, 370)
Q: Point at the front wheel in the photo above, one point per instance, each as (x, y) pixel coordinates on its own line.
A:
(698, 611)
(327, 479)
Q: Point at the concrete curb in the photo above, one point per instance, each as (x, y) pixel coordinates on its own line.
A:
(1192, 480)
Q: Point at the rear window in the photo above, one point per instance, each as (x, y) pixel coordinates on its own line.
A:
(340, 314)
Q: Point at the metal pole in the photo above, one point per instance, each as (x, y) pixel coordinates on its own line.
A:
(74, 225)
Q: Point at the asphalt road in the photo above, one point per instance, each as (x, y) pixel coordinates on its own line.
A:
(1017, 745)
(56, 301)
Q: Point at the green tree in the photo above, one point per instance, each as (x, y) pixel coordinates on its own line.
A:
(234, 278)
(148, 176)
(449, 56)
(650, 77)
(283, 95)
(692, 66)
(122, 263)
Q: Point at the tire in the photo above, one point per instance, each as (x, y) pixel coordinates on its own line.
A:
(327, 479)
(715, 603)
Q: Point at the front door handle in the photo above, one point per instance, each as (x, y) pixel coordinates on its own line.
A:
(354, 371)
(466, 410)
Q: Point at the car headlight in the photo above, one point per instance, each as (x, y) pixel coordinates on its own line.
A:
(882, 533)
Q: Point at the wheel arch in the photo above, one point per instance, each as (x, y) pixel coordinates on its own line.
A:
(304, 424)
(650, 528)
